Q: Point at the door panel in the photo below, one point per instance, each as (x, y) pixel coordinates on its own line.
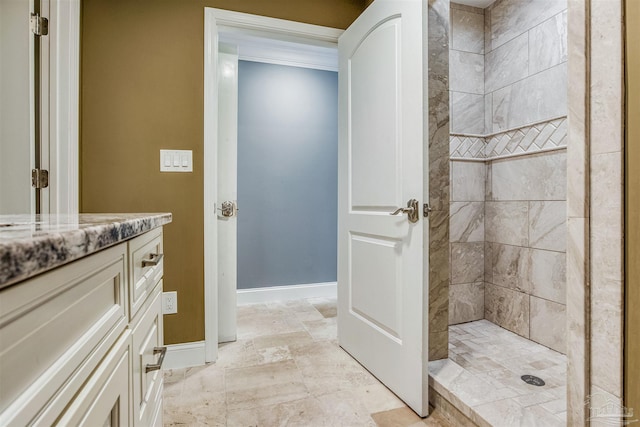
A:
(17, 100)
(381, 288)
(227, 190)
(380, 308)
(374, 173)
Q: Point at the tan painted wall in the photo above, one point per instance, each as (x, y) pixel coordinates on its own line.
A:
(632, 338)
(142, 90)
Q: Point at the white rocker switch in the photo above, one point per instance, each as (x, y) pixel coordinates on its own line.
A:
(176, 161)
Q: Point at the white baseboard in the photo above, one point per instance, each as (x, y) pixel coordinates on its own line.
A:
(286, 293)
(184, 355)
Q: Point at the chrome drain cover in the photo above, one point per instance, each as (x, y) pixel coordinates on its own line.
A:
(533, 380)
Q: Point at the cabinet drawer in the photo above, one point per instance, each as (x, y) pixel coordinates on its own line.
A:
(147, 386)
(51, 327)
(104, 400)
(145, 267)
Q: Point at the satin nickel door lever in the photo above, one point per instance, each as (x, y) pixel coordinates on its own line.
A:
(411, 210)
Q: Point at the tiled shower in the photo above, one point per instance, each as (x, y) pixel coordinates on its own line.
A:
(507, 224)
(508, 92)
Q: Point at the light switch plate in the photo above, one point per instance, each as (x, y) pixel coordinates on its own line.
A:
(176, 161)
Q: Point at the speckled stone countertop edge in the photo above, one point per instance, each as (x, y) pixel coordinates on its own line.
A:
(25, 257)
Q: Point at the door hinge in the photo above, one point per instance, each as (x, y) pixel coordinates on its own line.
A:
(39, 25)
(39, 178)
(426, 209)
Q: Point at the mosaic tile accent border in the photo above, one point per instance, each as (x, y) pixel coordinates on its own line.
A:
(541, 136)
(461, 146)
(551, 134)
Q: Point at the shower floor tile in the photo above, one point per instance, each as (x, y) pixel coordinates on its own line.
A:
(482, 377)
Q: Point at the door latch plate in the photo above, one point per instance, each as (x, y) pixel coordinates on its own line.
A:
(228, 209)
(426, 210)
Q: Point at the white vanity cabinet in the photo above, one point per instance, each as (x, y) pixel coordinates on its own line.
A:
(82, 344)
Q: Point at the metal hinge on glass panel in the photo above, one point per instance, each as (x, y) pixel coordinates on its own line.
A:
(39, 178)
(39, 25)
(228, 209)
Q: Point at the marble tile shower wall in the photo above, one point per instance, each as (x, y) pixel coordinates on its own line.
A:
(467, 192)
(466, 70)
(525, 70)
(508, 65)
(437, 42)
(525, 247)
(467, 231)
(508, 245)
(525, 210)
(507, 225)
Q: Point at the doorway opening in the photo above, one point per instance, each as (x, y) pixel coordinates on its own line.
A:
(277, 169)
(250, 42)
(381, 155)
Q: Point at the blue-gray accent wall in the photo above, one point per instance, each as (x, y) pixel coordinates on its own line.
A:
(287, 175)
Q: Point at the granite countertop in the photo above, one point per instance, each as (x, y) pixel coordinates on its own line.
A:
(33, 244)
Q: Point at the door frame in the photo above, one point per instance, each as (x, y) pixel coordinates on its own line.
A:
(59, 107)
(63, 107)
(238, 23)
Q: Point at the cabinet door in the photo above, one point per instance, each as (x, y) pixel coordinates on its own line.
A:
(104, 400)
(54, 331)
(147, 384)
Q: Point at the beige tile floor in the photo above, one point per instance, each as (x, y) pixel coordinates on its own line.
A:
(482, 377)
(285, 369)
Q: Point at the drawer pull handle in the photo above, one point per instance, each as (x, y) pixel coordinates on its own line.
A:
(154, 259)
(157, 366)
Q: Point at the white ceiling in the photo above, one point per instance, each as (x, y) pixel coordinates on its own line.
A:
(476, 3)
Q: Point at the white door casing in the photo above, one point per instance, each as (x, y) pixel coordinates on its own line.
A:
(59, 106)
(381, 293)
(229, 22)
(210, 158)
(64, 106)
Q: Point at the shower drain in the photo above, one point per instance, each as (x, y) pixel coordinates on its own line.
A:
(533, 380)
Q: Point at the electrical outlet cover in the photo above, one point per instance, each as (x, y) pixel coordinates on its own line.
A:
(169, 302)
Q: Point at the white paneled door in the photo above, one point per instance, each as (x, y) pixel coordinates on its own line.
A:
(381, 286)
(226, 209)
